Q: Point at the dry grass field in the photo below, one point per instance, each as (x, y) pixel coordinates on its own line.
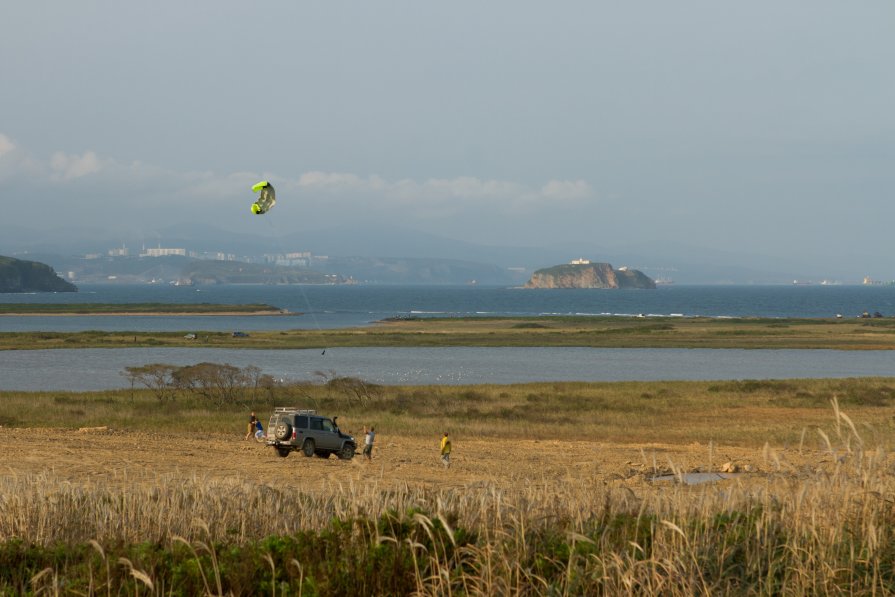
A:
(541, 498)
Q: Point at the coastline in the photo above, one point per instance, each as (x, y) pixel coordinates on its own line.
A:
(150, 314)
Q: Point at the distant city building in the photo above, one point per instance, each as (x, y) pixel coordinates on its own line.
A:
(122, 252)
(162, 252)
(296, 258)
(212, 255)
(581, 261)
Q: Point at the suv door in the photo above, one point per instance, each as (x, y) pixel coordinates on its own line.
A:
(315, 431)
(330, 436)
(281, 427)
(301, 430)
(272, 425)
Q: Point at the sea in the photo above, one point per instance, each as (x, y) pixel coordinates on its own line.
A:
(332, 307)
(339, 306)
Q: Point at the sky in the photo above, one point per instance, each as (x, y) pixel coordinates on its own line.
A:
(763, 127)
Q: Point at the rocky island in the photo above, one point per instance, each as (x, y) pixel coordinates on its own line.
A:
(17, 275)
(582, 273)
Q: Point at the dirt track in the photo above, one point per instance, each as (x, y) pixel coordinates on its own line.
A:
(122, 457)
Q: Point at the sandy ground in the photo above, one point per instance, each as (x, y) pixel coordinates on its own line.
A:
(121, 457)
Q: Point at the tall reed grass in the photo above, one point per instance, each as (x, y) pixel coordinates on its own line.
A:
(826, 529)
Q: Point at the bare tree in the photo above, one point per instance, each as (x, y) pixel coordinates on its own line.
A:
(158, 377)
(219, 383)
(355, 389)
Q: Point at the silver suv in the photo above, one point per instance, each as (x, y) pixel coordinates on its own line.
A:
(297, 429)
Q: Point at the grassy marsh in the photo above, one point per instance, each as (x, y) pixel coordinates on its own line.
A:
(748, 412)
(605, 332)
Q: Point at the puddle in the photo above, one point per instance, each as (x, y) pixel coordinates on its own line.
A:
(696, 478)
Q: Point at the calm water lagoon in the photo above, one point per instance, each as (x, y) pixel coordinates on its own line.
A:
(341, 306)
(98, 369)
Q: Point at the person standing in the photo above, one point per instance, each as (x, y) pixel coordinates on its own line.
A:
(253, 420)
(369, 437)
(446, 450)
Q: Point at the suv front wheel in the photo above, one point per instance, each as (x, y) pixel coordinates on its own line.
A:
(309, 448)
(347, 452)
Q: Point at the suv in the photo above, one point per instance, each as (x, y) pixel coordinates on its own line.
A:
(295, 429)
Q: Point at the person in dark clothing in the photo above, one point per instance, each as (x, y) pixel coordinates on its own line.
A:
(253, 420)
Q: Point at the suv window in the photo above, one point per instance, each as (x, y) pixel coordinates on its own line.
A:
(317, 424)
(328, 425)
(301, 422)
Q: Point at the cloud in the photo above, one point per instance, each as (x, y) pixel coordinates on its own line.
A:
(6, 145)
(142, 192)
(68, 167)
(566, 190)
(449, 194)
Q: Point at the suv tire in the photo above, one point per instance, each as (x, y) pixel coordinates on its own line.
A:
(283, 452)
(308, 448)
(283, 431)
(347, 452)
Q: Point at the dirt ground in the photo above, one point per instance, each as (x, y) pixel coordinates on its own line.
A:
(109, 457)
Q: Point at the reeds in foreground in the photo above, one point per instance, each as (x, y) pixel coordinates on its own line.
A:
(802, 532)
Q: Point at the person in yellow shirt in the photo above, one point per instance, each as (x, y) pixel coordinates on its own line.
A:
(446, 450)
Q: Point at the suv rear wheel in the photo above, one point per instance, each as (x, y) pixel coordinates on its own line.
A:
(283, 452)
(309, 448)
(283, 431)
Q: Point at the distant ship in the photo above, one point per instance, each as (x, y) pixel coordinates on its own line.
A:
(664, 281)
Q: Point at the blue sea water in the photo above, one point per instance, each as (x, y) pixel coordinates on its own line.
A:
(345, 306)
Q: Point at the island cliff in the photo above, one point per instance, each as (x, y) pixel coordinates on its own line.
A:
(17, 275)
(583, 274)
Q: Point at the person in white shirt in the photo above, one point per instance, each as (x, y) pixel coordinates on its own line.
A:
(369, 436)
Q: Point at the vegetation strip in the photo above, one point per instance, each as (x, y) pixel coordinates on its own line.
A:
(135, 309)
(597, 332)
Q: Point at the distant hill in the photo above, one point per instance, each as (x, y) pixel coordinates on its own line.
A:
(393, 270)
(678, 261)
(588, 275)
(235, 272)
(17, 275)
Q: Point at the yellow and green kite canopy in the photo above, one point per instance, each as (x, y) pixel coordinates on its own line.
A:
(267, 198)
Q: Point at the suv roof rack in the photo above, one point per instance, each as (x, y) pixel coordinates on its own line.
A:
(294, 409)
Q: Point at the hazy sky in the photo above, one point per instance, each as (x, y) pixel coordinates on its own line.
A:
(751, 126)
